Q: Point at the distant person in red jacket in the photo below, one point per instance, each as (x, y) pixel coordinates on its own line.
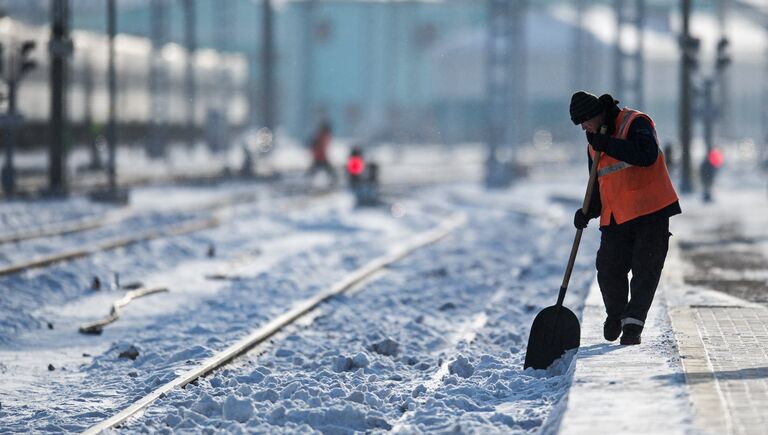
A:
(321, 141)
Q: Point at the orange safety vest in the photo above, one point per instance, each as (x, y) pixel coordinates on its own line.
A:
(320, 147)
(628, 191)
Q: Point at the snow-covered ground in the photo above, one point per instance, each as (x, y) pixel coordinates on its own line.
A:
(436, 341)
(725, 242)
(675, 383)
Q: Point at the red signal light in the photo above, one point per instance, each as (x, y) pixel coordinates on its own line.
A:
(355, 165)
(715, 157)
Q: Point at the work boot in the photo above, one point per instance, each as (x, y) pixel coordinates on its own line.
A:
(611, 329)
(631, 334)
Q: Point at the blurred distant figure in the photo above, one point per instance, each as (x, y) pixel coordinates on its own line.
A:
(246, 170)
(95, 140)
(363, 178)
(369, 190)
(319, 145)
(708, 171)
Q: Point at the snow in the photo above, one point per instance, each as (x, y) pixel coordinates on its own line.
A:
(368, 361)
(387, 346)
(744, 31)
(237, 409)
(434, 342)
(461, 367)
(628, 389)
(454, 321)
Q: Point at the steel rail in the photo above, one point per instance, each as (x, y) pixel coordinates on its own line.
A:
(266, 331)
(62, 228)
(89, 223)
(80, 225)
(185, 227)
(175, 230)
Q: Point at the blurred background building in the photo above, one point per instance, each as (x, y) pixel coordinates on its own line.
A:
(392, 71)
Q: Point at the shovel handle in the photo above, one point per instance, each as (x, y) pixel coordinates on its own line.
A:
(577, 238)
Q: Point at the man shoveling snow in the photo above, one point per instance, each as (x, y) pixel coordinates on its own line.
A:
(634, 199)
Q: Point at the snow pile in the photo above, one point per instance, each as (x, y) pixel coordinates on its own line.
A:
(422, 348)
(269, 256)
(461, 367)
(387, 346)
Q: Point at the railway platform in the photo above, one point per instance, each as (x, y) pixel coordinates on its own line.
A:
(703, 365)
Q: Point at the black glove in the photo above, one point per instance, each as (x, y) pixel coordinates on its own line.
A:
(579, 220)
(599, 141)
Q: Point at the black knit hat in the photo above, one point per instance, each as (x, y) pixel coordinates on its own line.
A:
(584, 106)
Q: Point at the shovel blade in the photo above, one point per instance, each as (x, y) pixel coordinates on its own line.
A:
(554, 331)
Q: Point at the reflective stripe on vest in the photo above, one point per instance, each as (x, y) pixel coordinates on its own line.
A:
(623, 128)
(622, 133)
(613, 168)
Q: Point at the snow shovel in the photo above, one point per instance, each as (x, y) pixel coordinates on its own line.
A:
(556, 329)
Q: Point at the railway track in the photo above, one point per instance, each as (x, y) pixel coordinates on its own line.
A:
(215, 208)
(114, 243)
(217, 214)
(115, 217)
(427, 177)
(297, 315)
(297, 312)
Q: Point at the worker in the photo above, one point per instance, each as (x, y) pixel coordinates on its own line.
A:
(708, 171)
(634, 199)
(319, 145)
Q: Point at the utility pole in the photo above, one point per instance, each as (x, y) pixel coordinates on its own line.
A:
(60, 49)
(308, 65)
(499, 88)
(218, 113)
(629, 65)
(20, 63)
(579, 52)
(765, 99)
(505, 83)
(112, 194)
(158, 83)
(8, 122)
(394, 111)
(618, 56)
(112, 85)
(368, 65)
(688, 47)
(190, 38)
(11, 122)
(710, 112)
(518, 68)
(411, 73)
(268, 95)
(724, 82)
(90, 125)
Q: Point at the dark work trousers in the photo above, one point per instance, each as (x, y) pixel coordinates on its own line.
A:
(322, 165)
(640, 247)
